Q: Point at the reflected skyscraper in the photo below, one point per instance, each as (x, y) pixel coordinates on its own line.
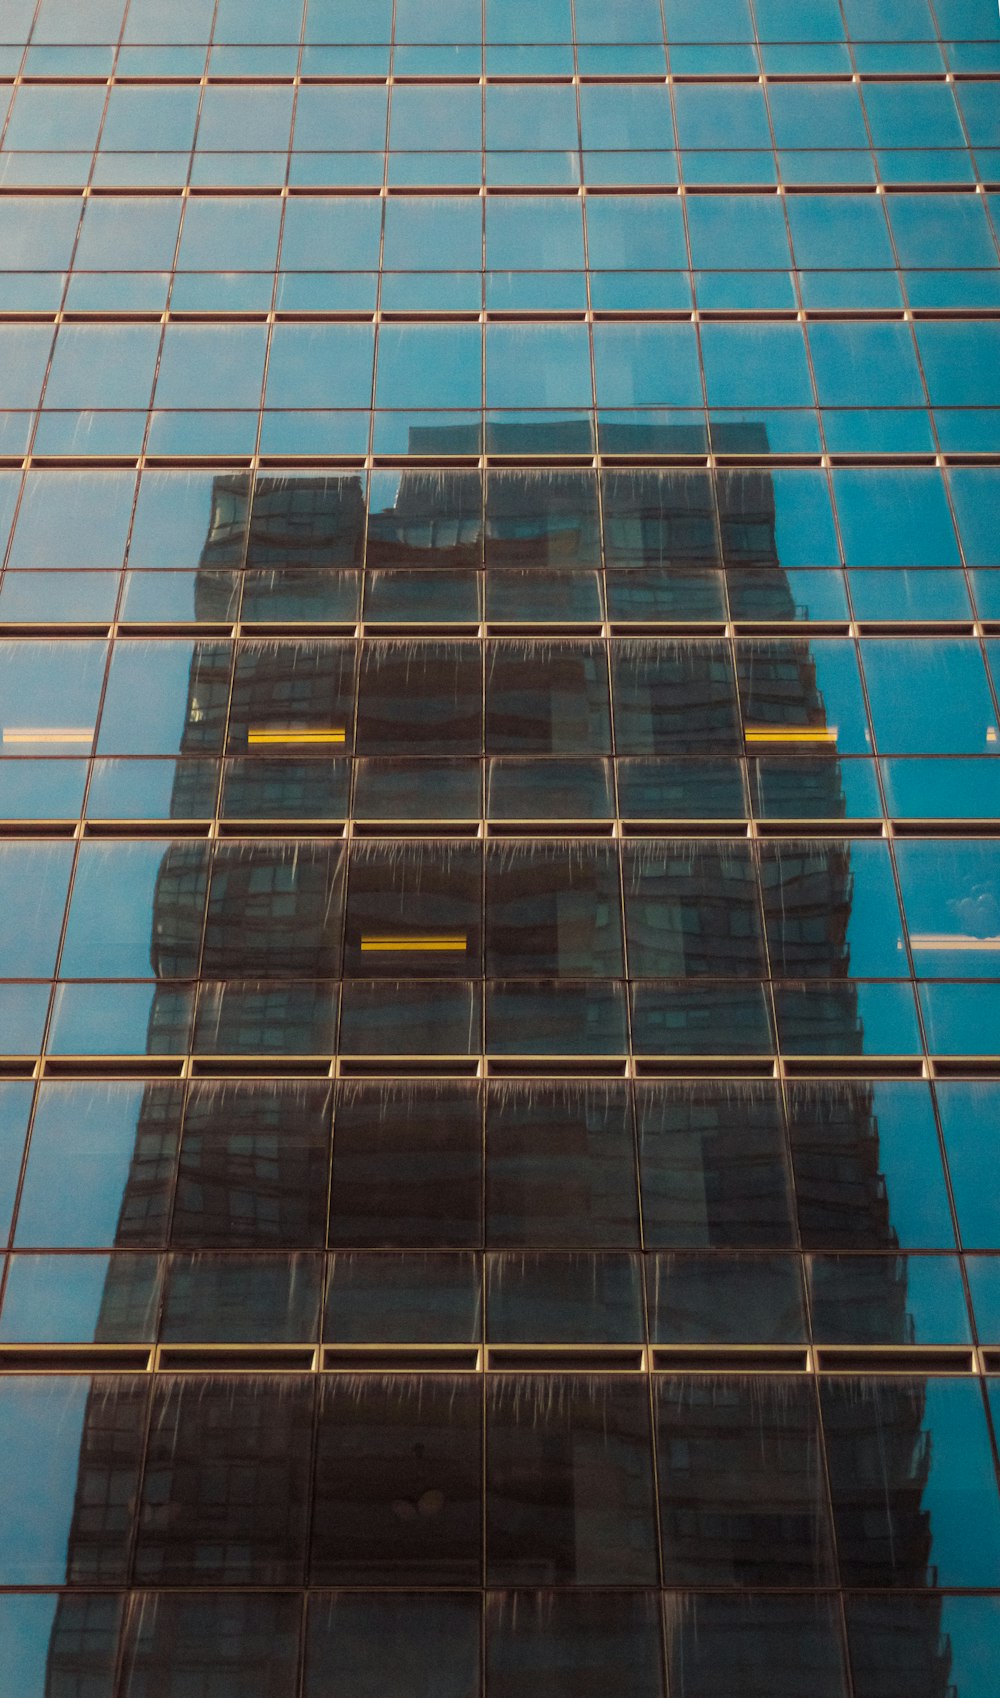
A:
(542, 523)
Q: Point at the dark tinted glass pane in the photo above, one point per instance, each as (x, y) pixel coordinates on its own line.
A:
(409, 1644)
(554, 1297)
(560, 1166)
(542, 518)
(659, 518)
(547, 699)
(292, 698)
(426, 518)
(270, 1019)
(418, 1016)
(414, 908)
(556, 1018)
(230, 1647)
(274, 912)
(674, 698)
(403, 1299)
(923, 1647)
(867, 1167)
(569, 1487)
(888, 1300)
(725, 1300)
(692, 912)
(226, 1482)
(407, 1166)
(253, 1167)
(242, 1299)
(910, 1473)
(677, 1017)
(714, 1167)
(398, 1487)
(566, 1645)
(553, 911)
(742, 1499)
(307, 520)
(420, 699)
(760, 1647)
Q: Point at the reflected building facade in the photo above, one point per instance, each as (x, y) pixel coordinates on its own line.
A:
(267, 1192)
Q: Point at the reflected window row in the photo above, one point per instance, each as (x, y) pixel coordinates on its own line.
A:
(572, 432)
(436, 700)
(392, 1301)
(516, 1644)
(847, 1168)
(535, 600)
(575, 795)
(760, 517)
(520, 1020)
(763, 1481)
(306, 910)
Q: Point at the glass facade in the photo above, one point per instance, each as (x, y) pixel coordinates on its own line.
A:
(499, 848)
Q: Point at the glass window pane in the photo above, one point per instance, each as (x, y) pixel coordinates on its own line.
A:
(899, 1644)
(569, 1489)
(553, 912)
(560, 1166)
(429, 366)
(910, 1471)
(539, 233)
(34, 878)
(718, 1644)
(226, 1482)
(100, 1167)
(398, 1486)
(557, 1644)
(91, 507)
(742, 1495)
(867, 1167)
(68, 1439)
(714, 1168)
(247, 1644)
(407, 1166)
(405, 1643)
(51, 1636)
(148, 705)
(137, 911)
(253, 1167)
(948, 680)
(226, 363)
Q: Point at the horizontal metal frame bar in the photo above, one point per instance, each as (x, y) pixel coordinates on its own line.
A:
(685, 1359)
(404, 1067)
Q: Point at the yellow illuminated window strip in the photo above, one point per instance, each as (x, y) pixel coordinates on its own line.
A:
(264, 736)
(960, 942)
(47, 734)
(791, 734)
(428, 945)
